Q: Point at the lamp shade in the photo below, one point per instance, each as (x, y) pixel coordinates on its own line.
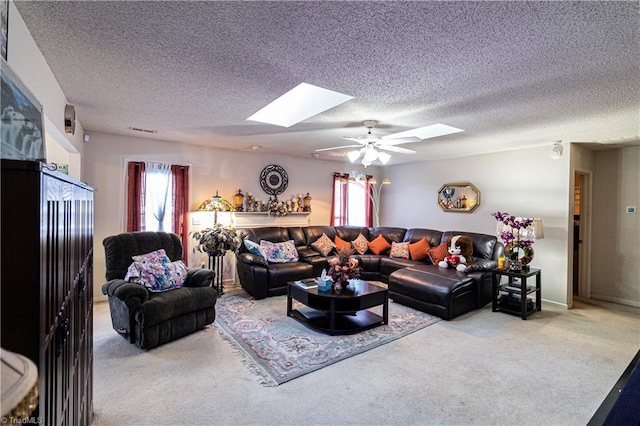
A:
(538, 230)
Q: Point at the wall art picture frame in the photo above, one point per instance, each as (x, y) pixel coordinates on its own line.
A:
(4, 38)
(21, 122)
(458, 197)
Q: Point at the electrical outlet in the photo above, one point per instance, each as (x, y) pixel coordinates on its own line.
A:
(632, 209)
(195, 220)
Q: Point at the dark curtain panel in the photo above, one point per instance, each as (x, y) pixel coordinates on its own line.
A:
(339, 200)
(135, 196)
(180, 186)
(368, 209)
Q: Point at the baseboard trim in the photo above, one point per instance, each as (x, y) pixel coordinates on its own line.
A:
(617, 300)
(556, 304)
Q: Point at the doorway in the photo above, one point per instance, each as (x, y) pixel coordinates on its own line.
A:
(581, 285)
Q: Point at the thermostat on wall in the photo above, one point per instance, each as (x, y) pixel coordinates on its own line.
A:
(632, 209)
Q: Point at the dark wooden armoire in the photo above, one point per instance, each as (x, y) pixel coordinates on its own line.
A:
(46, 285)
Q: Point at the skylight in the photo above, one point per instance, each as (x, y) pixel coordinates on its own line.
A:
(298, 104)
(426, 132)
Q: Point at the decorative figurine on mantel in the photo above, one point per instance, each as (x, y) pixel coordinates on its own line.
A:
(238, 201)
(250, 202)
(307, 203)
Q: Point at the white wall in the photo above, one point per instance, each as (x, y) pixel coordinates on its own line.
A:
(524, 183)
(26, 60)
(211, 170)
(616, 251)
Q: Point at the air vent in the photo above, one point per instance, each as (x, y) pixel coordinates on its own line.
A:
(137, 129)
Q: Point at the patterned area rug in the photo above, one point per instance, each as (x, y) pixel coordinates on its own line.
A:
(278, 348)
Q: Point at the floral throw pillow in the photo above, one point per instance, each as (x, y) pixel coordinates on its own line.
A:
(360, 244)
(157, 277)
(279, 252)
(400, 250)
(158, 256)
(323, 245)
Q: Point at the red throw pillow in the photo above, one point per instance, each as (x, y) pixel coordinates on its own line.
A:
(419, 249)
(437, 254)
(379, 245)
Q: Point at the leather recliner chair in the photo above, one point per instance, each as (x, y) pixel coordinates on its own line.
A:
(150, 319)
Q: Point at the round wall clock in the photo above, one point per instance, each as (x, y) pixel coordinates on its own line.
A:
(274, 179)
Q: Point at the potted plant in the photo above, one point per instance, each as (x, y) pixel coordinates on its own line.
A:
(216, 241)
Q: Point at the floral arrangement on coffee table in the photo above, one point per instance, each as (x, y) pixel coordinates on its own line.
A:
(342, 269)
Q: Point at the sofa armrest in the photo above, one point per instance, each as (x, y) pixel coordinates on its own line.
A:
(131, 294)
(197, 277)
(481, 266)
(252, 259)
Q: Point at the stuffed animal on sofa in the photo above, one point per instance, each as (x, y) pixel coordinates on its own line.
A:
(460, 251)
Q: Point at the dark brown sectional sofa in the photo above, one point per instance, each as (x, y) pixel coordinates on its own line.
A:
(446, 293)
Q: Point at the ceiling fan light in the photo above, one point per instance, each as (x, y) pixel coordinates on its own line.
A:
(366, 162)
(353, 155)
(370, 154)
(383, 157)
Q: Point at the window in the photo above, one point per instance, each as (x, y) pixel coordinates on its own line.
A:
(351, 203)
(157, 198)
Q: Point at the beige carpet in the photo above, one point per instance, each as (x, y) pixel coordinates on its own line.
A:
(483, 368)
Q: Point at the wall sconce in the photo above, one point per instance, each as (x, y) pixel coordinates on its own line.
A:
(556, 151)
(238, 201)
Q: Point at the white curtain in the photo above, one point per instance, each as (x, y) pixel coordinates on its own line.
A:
(158, 199)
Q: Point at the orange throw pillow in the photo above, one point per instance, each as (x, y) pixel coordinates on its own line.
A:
(341, 244)
(419, 249)
(437, 254)
(379, 245)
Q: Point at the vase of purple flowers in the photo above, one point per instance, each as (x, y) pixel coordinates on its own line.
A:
(511, 231)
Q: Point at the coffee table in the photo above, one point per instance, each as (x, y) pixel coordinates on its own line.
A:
(339, 313)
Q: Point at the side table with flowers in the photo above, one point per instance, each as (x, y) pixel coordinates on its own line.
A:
(215, 242)
(342, 269)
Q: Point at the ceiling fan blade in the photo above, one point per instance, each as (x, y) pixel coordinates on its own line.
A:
(365, 139)
(397, 141)
(397, 149)
(359, 140)
(426, 132)
(338, 147)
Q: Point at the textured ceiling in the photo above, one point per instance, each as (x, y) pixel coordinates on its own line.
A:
(511, 74)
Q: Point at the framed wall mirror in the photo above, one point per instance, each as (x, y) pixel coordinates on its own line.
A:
(460, 197)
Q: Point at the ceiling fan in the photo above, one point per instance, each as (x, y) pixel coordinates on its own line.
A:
(370, 145)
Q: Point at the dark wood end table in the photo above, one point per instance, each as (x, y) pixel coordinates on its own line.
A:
(339, 313)
(518, 290)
